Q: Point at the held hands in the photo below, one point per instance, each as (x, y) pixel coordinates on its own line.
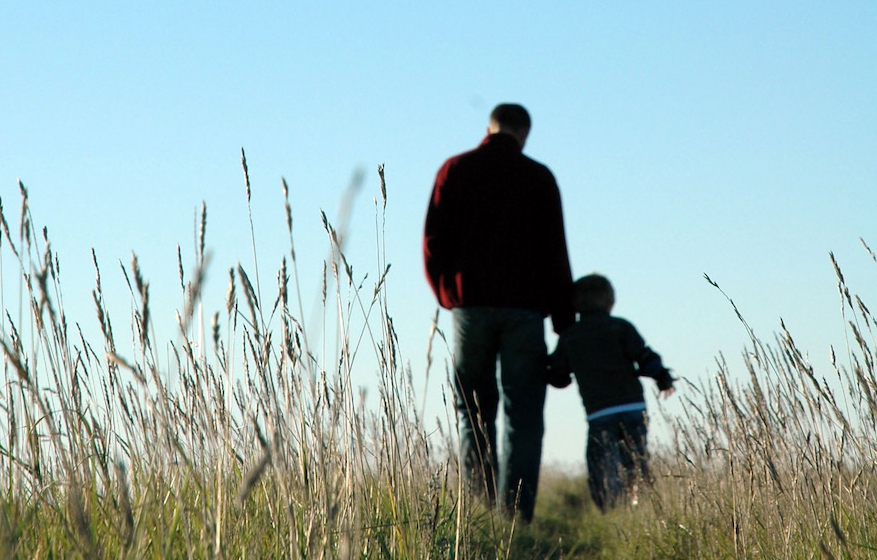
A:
(556, 378)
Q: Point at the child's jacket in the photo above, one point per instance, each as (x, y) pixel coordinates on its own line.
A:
(607, 356)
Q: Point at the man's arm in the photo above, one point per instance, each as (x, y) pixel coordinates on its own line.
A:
(558, 373)
(562, 312)
(440, 240)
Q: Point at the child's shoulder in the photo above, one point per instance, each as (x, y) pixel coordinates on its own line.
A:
(621, 320)
(622, 325)
(591, 323)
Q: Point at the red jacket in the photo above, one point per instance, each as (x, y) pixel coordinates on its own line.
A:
(494, 233)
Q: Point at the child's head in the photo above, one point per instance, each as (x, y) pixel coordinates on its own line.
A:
(593, 293)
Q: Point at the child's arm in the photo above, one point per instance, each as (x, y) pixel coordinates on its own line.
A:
(648, 361)
(650, 365)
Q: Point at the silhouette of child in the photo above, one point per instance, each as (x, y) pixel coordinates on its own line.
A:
(607, 355)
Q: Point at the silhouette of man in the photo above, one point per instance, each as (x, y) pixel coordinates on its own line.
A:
(495, 254)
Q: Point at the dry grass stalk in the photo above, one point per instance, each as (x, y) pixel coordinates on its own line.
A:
(773, 463)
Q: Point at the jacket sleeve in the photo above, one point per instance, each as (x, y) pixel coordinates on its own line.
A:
(560, 287)
(649, 363)
(440, 241)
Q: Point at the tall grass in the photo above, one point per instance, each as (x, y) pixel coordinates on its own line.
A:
(778, 463)
(257, 447)
(242, 440)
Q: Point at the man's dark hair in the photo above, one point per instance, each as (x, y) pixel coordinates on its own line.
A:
(511, 116)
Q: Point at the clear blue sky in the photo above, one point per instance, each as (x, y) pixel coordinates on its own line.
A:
(733, 138)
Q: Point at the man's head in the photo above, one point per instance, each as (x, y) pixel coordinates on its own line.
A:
(510, 118)
(593, 293)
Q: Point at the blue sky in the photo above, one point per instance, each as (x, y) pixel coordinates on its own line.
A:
(737, 139)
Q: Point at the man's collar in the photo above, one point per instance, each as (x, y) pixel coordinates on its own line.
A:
(502, 138)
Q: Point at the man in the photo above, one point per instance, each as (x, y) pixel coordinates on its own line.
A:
(495, 254)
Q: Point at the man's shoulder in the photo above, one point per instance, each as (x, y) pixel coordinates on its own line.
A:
(452, 166)
(487, 156)
(460, 158)
(538, 167)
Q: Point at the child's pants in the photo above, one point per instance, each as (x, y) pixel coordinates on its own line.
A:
(616, 455)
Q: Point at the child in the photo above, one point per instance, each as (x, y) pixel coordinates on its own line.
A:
(607, 356)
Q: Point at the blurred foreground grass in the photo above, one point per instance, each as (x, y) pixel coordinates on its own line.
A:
(251, 444)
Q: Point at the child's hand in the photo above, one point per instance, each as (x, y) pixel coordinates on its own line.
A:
(665, 393)
(665, 382)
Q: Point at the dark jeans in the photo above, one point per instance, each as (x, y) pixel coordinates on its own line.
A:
(517, 336)
(617, 455)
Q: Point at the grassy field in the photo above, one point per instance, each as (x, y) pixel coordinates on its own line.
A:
(130, 447)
